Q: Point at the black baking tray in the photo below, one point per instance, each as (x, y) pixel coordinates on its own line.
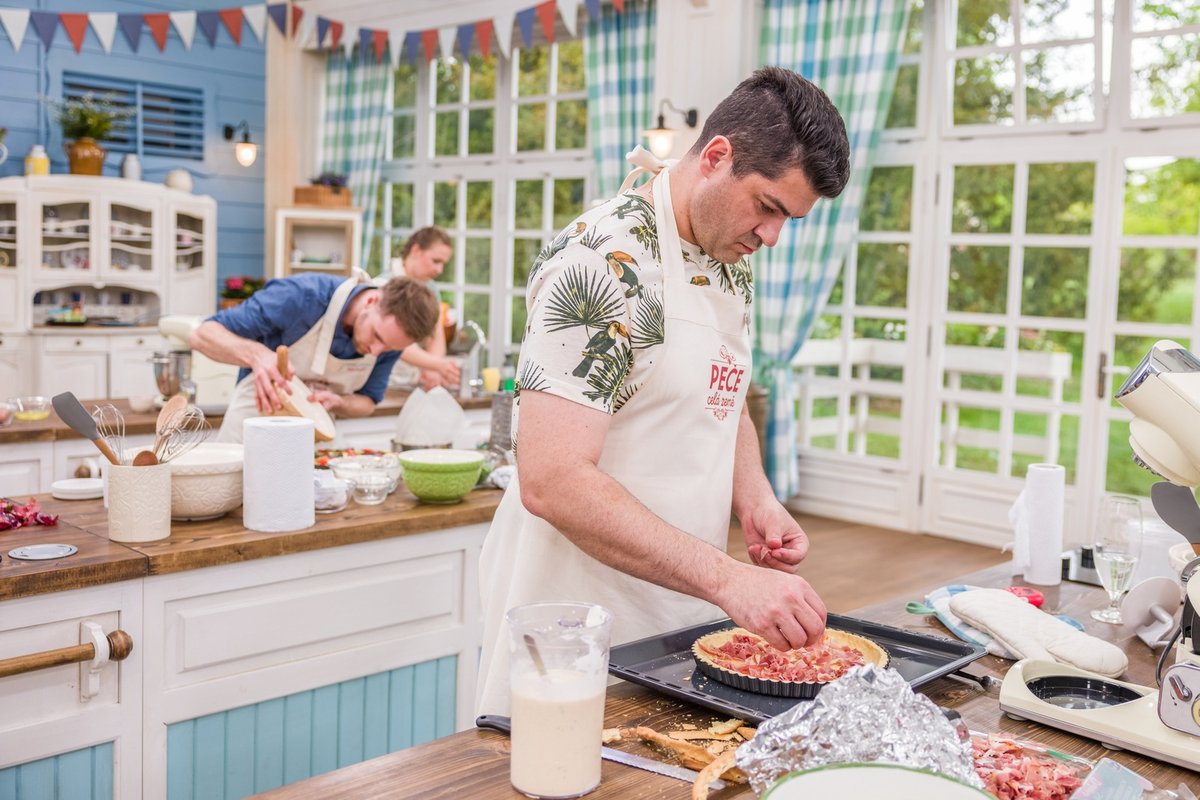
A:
(665, 663)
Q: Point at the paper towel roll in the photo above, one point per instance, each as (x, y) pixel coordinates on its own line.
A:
(277, 474)
(1037, 519)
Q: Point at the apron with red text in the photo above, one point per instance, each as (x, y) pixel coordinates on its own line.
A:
(671, 446)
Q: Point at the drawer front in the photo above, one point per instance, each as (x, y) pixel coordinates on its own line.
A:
(85, 343)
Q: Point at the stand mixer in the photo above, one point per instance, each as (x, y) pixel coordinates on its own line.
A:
(1163, 393)
(207, 383)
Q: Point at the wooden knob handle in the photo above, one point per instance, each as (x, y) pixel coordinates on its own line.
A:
(120, 645)
(281, 360)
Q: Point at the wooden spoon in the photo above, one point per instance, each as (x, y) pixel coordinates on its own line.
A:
(145, 458)
(169, 411)
(281, 361)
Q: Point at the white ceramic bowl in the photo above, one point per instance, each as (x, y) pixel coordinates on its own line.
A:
(206, 481)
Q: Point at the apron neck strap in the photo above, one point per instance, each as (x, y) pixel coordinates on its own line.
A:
(644, 163)
(333, 313)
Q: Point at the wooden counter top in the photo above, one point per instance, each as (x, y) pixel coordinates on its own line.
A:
(194, 545)
(474, 763)
(53, 429)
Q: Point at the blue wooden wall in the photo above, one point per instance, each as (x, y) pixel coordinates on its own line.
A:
(258, 747)
(232, 78)
(81, 775)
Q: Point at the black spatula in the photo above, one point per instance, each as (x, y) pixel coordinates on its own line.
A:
(72, 412)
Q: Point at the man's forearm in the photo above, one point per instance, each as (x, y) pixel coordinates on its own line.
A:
(218, 343)
(750, 484)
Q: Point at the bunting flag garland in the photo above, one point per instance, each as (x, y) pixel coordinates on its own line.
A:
(232, 17)
(104, 23)
(76, 27)
(131, 26)
(160, 27)
(438, 42)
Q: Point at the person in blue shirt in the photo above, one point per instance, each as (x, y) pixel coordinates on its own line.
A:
(343, 338)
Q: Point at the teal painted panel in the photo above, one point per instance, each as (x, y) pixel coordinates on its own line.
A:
(259, 747)
(85, 774)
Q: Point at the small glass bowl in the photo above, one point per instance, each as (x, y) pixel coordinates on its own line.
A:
(330, 494)
(8, 412)
(31, 409)
(353, 467)
(371, 488)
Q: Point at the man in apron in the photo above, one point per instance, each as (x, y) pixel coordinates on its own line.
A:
(343, 337)
(633, 440)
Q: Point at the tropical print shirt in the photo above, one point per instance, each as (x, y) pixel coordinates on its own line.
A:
(595, 302)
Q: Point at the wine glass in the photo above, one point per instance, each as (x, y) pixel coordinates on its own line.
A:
(1116, 551)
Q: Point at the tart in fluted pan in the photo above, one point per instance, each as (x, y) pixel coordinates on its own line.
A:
(746, 661)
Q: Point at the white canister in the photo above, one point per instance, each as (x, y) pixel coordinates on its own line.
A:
(179, 179)
(139, 503)
(131, 168)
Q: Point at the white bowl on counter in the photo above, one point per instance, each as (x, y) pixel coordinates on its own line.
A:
(206, 481)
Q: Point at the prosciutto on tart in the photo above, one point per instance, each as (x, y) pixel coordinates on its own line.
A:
(746, 661)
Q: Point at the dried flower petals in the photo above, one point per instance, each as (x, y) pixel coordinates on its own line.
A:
(17, 516)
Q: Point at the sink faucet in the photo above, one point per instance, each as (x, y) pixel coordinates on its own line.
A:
(470, 383)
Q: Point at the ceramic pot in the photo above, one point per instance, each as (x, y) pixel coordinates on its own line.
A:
(85, 156)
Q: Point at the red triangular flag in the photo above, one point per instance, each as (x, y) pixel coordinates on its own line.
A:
(429, 39)
(619, 5)
(160, 26)
(297, 15)
(545, 12)
(379, 41)
(483, 32)
(76, 27)
(335, 34)
(232, 17)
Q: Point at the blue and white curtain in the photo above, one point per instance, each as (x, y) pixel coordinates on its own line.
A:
(851, 49)
(354, 130)
(619, 59)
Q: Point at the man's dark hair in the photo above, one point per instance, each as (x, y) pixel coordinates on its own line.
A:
(778, 120)
(413, 305)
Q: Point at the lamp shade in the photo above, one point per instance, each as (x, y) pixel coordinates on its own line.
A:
(246, 153)
(661, 141)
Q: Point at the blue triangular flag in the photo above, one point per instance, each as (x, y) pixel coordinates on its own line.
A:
(207, 22)
(278, 14)
(593, 8)
(322, 29)
(44, 22)
(525, 21)
(131, 26)
(364, 41)
(412, 40)
(465, 34)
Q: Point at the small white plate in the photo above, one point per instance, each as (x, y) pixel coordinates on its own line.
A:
(42, 552)
(77, 489)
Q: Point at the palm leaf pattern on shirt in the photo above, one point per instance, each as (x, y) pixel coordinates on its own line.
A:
(743, 278)
(625, 394)
(648, 326)
(594, 240)
(532, 377)
(583, 300)
(608, 375)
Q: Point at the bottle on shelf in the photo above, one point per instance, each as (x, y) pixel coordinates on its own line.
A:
(37, 162)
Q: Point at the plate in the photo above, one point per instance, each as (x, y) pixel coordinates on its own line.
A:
(870, 780)
(77, 489)
(42, 552)
(66, 321)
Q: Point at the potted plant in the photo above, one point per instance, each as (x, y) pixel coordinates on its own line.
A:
(327, 189)
(237, 289)
(84, 120)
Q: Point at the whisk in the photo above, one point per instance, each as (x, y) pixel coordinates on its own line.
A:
(183, 431)
(110, 424)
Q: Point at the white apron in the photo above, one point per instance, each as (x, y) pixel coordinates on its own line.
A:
(309, 356)
(672, 446)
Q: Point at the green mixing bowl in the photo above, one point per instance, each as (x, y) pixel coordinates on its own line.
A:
(440, 476)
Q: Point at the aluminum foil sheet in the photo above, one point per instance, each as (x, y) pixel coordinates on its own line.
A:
(868, 715)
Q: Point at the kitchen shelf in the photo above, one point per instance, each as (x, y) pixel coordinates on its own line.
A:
(329, 234)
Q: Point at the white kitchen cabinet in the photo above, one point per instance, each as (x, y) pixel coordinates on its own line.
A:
(51, 712)
(317, 239)
(17, 367)
(76, 363)
(130, 373)
(11, 252)
(26, 469)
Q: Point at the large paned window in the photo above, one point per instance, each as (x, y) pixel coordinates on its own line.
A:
(1030, 228)
(494, 151)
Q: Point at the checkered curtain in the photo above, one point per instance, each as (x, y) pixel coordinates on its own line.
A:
(354, 130)
(619, 57)
(851, 49)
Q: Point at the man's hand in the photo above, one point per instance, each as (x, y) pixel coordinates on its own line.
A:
(781, 608)
(269, 383)
(773, 537)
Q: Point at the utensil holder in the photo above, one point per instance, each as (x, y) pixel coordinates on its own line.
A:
(139, 503)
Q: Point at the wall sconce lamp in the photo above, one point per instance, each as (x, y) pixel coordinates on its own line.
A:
(662, 138)
(244, 151)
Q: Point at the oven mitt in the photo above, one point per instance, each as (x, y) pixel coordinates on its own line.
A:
(1032, 633)
(937, 603)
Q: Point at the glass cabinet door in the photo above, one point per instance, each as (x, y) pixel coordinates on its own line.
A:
(66, 236)
(8, 236)
(189, 249)
(130, 239)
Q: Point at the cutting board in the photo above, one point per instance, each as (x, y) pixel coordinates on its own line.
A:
(297, 403)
